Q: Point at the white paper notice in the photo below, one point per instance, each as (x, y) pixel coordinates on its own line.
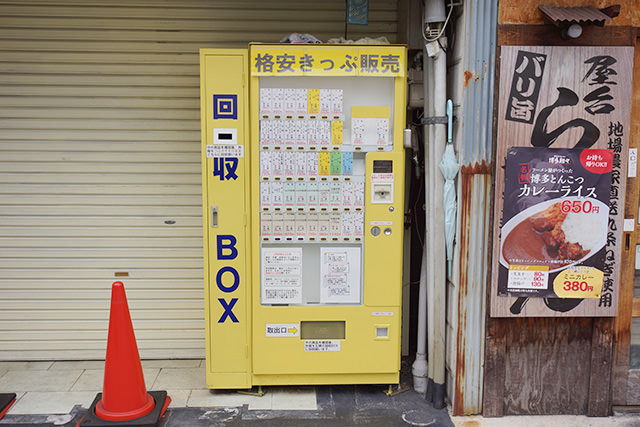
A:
(628, 224)
(340, 275)
(370, 131)
(632, 168)
(227, 150)
(281, 276)
(321, 345)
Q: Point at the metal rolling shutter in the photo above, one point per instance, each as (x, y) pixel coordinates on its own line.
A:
(100, 164)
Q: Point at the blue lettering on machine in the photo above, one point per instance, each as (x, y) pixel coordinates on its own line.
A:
(226, 250)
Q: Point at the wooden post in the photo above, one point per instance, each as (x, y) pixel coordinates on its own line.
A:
(494, 368)
(601, 368)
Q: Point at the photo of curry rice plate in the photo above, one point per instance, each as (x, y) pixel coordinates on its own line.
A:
(554, 238)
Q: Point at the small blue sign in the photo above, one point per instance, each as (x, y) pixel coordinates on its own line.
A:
(225, 107)
(358, 12)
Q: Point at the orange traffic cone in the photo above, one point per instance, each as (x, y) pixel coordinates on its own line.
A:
(124, 397)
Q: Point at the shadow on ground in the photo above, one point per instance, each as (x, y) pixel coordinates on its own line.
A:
(337, 406)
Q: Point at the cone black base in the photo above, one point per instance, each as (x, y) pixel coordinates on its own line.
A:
(152, 419)
(6, 400)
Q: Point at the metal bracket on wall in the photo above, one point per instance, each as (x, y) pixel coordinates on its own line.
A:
(435, 120)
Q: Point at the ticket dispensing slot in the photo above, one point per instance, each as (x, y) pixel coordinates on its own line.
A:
(382, 193)
(318, 330)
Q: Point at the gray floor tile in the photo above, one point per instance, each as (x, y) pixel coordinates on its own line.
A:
(264, 403)
(182, 363)
(180, 379)
(37, 380)
(93, 379)
(293, 398)
(20, 366)
(36, 402)
(77, 364)
(179, 398)
(226, 398)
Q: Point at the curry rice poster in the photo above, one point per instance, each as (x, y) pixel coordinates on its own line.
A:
(555, 217)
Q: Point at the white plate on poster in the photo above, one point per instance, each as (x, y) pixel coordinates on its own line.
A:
(592, 223)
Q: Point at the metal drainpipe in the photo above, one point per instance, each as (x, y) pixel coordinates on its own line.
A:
(430, 356)
(420, 366)
(438, 260)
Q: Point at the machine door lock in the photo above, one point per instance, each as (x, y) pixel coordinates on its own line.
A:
(214, 216)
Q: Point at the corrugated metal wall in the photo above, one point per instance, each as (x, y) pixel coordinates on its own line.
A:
(473, 83)
(100, 166)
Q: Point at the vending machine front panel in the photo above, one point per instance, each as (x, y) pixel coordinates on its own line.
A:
(326, 213)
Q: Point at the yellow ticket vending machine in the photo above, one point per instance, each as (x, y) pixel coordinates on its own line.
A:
(303, 175)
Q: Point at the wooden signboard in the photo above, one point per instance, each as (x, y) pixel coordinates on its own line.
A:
(576, 99)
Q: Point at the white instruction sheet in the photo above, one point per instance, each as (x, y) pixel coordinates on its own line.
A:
(340, 275)
(281, 276)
